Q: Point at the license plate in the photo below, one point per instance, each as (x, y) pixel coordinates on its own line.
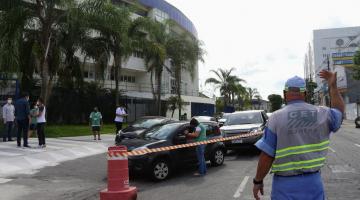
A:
(237, 141)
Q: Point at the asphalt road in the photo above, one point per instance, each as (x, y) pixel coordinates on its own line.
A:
(85, 177)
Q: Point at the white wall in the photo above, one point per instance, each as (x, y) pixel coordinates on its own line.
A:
(351, 111)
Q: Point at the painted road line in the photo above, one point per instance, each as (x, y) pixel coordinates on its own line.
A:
(331, 149)
(241, 187)
(358, 145)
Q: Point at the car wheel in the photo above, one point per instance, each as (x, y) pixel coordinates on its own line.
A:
(160, 170)
(217, 157)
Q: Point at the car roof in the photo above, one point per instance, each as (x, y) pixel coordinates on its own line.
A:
(152, 117)
(248, 111)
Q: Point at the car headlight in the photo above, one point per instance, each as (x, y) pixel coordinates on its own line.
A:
(256, 131)
(140, 149)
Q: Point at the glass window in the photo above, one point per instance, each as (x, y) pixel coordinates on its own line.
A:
(244, 118)
(163, 132)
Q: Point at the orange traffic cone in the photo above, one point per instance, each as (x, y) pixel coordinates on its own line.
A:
(118, 176)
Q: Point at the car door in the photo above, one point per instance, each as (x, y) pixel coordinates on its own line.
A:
(188, 154)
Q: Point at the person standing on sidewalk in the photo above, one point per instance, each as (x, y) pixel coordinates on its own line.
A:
(119, 119)
(8, 112)
(96, 122)
(22, 116)
(200, 135)
(41, 121)
(296, 141)
(33, 123)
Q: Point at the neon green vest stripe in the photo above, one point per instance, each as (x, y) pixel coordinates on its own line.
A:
(296, 168)
(299, 164)
(302, 152)
(303, 146)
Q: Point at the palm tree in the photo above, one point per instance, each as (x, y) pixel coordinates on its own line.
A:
(41, 25)
(184, 53)
(252, 92)
(228, 84)
(114, 26)
(173, 103)
(155, 51)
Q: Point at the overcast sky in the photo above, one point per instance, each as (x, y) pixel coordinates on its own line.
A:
(264, 40)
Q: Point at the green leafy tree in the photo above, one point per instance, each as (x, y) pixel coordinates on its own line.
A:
(228, 84)
(173, 103)
(155, 51)
(184, 52)
(310, 88)
(275, 102)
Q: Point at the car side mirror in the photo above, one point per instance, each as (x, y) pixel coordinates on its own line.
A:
(180, 139)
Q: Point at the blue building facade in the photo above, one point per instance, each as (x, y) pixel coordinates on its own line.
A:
(174, 14)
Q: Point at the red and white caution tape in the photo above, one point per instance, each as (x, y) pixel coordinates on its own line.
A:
(113, 155)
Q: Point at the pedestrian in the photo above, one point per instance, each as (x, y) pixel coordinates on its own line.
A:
(96, 122)
(8, 112)
(199, 133)
(295, 143)
(119, 119)
(41, 121)
(34, 112)
(22, 116)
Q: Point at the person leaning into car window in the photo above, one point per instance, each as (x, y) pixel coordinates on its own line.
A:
(199, 133)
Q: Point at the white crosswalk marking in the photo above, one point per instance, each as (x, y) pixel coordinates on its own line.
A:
(15, 160)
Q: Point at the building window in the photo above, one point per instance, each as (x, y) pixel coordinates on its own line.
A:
(324, 48)
(127, 79)
(173, 86)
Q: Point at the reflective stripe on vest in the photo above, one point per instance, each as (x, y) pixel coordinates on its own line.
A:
(302, 149)
(308, 164)
(284, 158)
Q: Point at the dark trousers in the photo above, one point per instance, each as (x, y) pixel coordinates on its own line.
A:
(41, 133)
(7, 131)
(23, 127)
(118, 126)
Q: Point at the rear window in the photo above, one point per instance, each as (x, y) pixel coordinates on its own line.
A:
(244, 118)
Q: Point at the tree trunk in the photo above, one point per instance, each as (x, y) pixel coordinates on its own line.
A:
(172, 114)
(159, 91)
(46, 85)
(117, 62)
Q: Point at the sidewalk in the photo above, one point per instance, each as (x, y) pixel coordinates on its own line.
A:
(15, 160)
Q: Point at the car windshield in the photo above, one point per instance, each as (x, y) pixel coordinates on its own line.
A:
(147, 123)
(162, 132)
(244, 118)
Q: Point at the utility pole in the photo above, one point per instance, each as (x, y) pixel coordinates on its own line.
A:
(328, 68)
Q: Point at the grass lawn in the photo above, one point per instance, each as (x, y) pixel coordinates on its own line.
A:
(76, 130)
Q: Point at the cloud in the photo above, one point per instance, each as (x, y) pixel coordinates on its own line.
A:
(265, 43)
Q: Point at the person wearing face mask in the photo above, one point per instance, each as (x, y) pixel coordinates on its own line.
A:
(41, 121)
(96, 122)
(9, 117)
(33, 114)
(22, 116)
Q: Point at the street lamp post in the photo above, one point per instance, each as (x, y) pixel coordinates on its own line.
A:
(328, 68)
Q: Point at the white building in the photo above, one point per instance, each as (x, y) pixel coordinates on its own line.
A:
(334, 49)
(135, 79)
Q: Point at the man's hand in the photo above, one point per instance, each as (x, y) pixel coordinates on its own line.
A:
(257, 189)
(330, 77)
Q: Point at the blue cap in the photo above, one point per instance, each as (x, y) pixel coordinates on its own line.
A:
(295, 82)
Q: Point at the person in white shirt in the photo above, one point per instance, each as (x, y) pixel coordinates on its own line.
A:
(119, 119)
(41, 121)
(8, 112)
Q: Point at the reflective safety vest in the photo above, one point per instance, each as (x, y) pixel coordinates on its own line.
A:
(302, 138)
